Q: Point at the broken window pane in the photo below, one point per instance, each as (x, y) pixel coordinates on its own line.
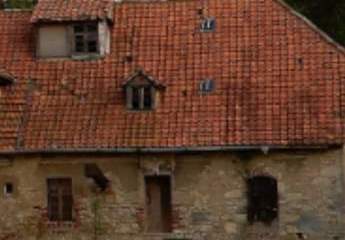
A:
(262, 199)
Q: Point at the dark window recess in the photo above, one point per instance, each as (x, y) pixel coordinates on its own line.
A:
(262, 199)
(208, 24)
(147, 98)
(141, 97)
(8, 188)
(86, 38)
(6, 80)
(60, 200)
(207, 86)
(158, 204)
(136, 98)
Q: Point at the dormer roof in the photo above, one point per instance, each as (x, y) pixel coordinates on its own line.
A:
(140, 77)
(72, 10)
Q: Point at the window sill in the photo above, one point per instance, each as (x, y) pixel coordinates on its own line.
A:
(73, 58)
(87, 57)
(61, 224)
(165, 236)
(140, 111)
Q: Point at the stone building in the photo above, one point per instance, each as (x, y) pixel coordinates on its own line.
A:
(182, 119)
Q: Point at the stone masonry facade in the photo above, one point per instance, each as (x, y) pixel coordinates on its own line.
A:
(209, 195)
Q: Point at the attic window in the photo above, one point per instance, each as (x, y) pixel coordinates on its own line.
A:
(207, 86)
(140, 97)
(142, 91)
(208, 24)
(85, 38)
(262, 199)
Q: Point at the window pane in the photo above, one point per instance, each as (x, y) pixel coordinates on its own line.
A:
(60, 202)
(79, 44)
(78, 28)
(92, 46)
(86, 38)
(92, 27)
(67, 208)
(147, 98)
(136, 98)
(53, 207)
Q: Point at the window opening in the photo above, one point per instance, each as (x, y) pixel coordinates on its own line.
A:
(60, 200)
(158, 203)
(141, 97)
(8, 189)
(86, 38)
(262, 199)
(208, 25)
(207, 86)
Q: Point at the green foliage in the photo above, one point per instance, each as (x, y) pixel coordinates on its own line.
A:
(17, 4)
(328, 15)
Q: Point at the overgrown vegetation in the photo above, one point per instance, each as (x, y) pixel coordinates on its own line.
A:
(329, 15)
(17, 4)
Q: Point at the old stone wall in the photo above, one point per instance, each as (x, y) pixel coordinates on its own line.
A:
(209, 196)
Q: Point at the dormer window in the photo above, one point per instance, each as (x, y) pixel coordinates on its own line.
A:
(141, 97)
(75, 29)
(85, 38)
(81, 40)
(142, 92)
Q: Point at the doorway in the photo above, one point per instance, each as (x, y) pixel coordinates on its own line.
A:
(158, 204)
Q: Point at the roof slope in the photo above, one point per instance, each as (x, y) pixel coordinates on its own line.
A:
(278, 81)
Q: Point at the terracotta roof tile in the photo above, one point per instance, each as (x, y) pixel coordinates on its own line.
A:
(72, 10)
(278, 81)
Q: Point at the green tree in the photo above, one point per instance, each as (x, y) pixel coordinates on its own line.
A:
(328, 15)
(17, 4)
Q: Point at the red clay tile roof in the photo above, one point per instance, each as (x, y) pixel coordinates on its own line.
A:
(72, 10)
(278, 82)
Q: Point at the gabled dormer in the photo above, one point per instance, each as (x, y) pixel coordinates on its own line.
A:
(142, 92)
(72, 29)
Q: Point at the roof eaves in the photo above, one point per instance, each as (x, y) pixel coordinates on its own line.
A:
(264, 148)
